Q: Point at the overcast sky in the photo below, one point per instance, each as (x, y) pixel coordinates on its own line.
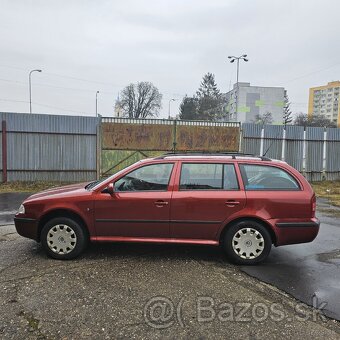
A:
(83, 46)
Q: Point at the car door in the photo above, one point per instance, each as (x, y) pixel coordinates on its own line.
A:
(140, 206)
(204, 196)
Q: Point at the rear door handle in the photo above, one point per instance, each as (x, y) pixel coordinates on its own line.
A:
(232, 203)
(161, 203)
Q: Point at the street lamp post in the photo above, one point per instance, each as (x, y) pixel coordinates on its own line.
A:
(30, 86)
(97, 103)
(232, 59)
(171, 100)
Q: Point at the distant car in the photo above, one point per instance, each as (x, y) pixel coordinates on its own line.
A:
(242, 203)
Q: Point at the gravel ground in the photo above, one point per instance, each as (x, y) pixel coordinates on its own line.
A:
(117, 291)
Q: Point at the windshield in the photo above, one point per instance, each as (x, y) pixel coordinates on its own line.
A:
(94, 184)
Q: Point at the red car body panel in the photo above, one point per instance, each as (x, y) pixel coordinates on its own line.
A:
(177, 216)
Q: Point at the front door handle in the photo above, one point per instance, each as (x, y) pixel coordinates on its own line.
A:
(161, 203)
(232, 203)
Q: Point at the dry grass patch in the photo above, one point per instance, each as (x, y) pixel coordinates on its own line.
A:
(329, 190)
(29, 186)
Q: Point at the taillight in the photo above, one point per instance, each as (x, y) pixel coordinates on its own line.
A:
(313, 206)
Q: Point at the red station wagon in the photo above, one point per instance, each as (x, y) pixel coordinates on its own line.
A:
(242, 203)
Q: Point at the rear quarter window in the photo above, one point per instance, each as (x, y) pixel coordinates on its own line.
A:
(265, 177)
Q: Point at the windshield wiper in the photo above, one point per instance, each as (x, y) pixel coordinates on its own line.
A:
(91, 185)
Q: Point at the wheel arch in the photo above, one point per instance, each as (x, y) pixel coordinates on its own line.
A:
(254, 219)
(60, 213)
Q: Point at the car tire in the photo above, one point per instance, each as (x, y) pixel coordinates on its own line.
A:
(63, 238)
(247, 242)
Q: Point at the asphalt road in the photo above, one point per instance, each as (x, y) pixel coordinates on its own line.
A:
(9, 204)
(166, 291)
(309, 272)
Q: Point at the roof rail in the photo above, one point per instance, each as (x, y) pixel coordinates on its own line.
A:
(232, 154)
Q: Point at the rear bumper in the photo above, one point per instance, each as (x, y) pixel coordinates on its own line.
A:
(293, 232)
(27, 227)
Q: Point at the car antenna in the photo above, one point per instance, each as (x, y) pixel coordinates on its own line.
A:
(271, 144)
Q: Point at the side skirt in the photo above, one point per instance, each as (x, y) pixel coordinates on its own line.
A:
(152, 240)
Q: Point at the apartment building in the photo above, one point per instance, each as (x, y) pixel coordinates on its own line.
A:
(254, 100)
(324, 100)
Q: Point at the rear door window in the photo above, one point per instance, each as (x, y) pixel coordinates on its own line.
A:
(263, 177)
(208, 176)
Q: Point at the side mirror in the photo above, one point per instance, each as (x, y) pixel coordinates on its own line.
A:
(111, 189)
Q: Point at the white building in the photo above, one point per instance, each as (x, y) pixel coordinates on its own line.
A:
(255, 100)
(118, 111)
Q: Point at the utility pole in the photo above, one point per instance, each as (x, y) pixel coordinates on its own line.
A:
(30, 86)
(232, 59)
(171, 100)
(97, 103)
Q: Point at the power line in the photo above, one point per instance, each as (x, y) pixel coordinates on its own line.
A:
(313, 72)
(113, 93)
(45, 105)
(14, 101)
(53, 86)
(168, 92)
(82, 79)
(13, 67)
(65, 76)
(65, 110)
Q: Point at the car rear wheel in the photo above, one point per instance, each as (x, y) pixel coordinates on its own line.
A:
(63, 238)
(247, 242)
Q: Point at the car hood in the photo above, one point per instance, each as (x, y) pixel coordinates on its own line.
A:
(59, 190)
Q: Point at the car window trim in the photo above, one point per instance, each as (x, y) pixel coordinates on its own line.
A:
(222, 189)
(134, 191)
(245, 178)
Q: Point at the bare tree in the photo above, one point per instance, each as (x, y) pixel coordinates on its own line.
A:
(266, 118)
(141, 100)
(303, 119)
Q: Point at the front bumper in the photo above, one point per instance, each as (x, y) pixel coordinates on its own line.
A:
(293, 232)
(27, 227)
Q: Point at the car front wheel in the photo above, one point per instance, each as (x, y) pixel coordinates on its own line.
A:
(247, 242)
(63, 238)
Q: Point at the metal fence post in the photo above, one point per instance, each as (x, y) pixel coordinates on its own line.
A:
(262, 141)
(4, 152)
(240, 139)
(283, 144)
(175, 136)
(324, 153)
(304, 147)
(99, 146)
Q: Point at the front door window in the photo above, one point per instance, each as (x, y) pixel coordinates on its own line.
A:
(147, 178)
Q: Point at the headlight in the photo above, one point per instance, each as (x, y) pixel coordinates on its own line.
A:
(21, 209)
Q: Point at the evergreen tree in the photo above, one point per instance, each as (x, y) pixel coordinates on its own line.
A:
(209, 99)
(287, 113)
(188, 108)
(208, 87)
